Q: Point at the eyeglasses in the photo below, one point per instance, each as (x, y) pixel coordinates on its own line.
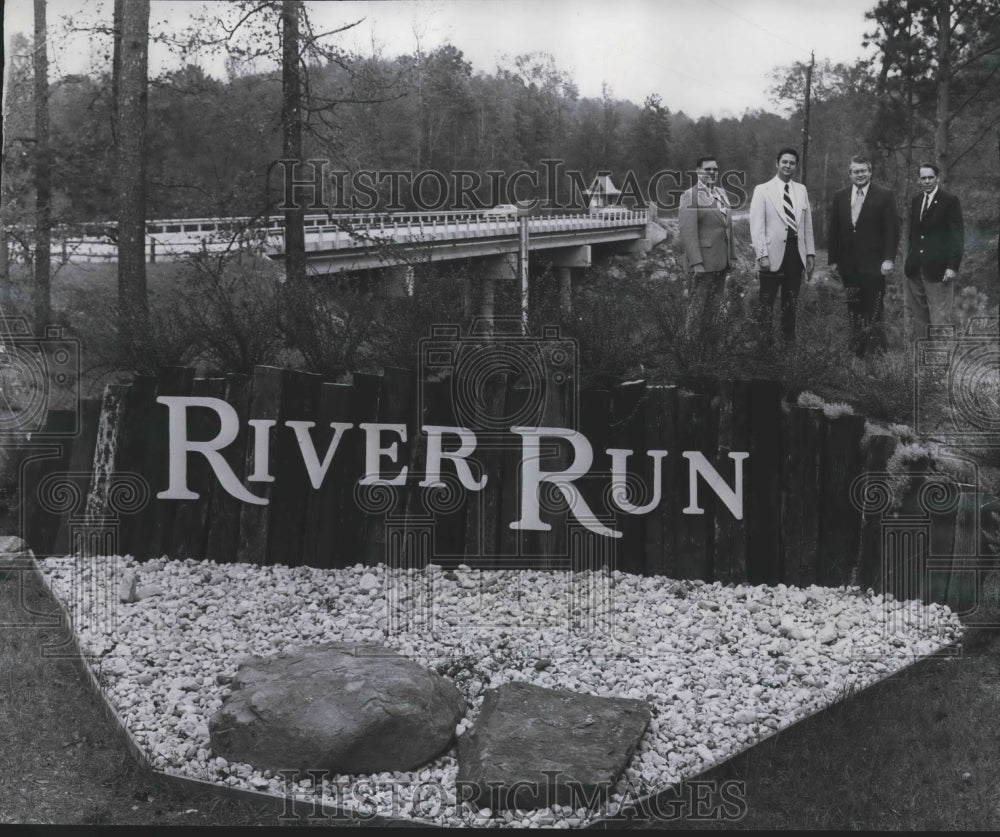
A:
(710, 169)
(932, 177)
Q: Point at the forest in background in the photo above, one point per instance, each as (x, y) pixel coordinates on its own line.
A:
(212, 142)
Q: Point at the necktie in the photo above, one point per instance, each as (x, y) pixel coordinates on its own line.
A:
(859, 198)
(923, 209)
(789, 210)
(720, 204)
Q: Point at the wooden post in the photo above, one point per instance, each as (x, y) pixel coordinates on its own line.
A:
(224, 528)
(170, 380)
(191, 522)
(840, 523)
(965, 586)
(291, 487)
(366, 392)
(396, 406)
(762, 496)
(800, 496)
(42, 514)
(133, 447)
(80, 464)
(875, 500)
(447, 507)
(595, 421)
(255, 520)
(321, 541)
(628, 432)
(695, 532)
(660, 418)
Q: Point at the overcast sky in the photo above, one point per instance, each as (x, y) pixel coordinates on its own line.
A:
(701, 56)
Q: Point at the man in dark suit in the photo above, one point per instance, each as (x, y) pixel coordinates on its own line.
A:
(863, 240)
(937, 240)
(705, 225)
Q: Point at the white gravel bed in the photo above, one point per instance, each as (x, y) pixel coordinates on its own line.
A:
(721, 667)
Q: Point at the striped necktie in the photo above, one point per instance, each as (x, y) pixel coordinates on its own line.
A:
(789, 210)
(859, 199)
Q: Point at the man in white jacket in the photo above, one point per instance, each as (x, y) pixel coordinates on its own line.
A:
(782, 235)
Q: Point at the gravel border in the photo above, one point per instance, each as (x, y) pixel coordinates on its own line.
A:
(721, 667)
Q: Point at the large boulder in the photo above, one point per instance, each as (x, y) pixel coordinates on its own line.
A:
(345, 707)
(532, 747)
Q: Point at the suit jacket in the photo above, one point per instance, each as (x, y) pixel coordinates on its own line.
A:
(706, 232)
(863, 247)
(936, 240)
(768, 230)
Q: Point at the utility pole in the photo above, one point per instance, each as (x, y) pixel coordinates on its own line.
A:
(805, 121)
(43, 175)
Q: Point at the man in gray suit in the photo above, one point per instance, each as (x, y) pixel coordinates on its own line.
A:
(706, 234)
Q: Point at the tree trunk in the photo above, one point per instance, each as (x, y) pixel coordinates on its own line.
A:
(116, 66)
(5, 293)
(130, 116)
(943, 88)
(291, 124)
(43, 175)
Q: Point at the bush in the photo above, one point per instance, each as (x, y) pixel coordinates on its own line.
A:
(230, 311)
(330, 323)
(92, 315)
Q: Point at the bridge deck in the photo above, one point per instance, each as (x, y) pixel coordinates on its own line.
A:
(168, 240)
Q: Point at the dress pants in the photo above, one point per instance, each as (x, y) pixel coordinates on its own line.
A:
(705, 296)
(788, 278)
(866, 311)
(930, 303)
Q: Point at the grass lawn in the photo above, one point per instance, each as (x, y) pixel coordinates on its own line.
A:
(917, 751)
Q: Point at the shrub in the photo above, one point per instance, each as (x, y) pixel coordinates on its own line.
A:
(330, 323)
(230, 310)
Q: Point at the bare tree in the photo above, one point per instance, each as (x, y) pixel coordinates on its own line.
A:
(291, 125)
(132, 22)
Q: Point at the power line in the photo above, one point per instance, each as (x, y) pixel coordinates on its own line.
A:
(757, 25)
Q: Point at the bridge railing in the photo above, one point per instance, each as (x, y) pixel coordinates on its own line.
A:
(357, 230)
(175, 237)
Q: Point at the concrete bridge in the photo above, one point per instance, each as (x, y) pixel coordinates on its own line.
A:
(498, 239)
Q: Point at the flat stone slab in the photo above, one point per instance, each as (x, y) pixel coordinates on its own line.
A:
(345, 707)
(532, 747)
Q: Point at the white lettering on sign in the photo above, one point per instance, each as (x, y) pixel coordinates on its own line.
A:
(533, 476)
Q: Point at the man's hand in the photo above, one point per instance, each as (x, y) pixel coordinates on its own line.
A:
(887, 267)
(764, 263)
(810, 265)
(698, 268)
(949, 274)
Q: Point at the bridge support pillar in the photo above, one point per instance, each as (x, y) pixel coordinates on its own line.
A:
(564, 260)
(398, 281)
(488, 272)
(565, 277)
